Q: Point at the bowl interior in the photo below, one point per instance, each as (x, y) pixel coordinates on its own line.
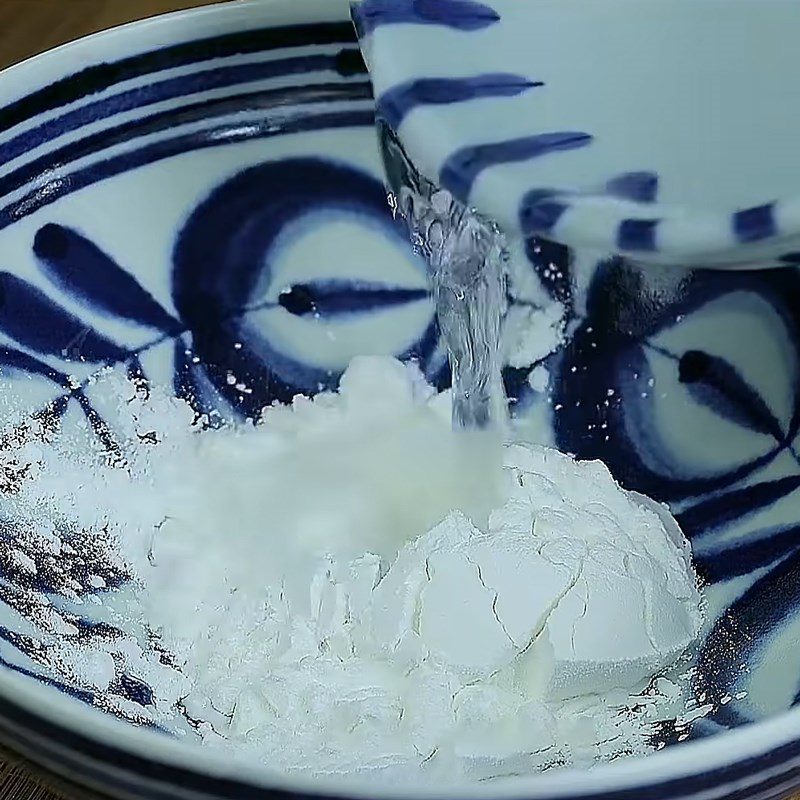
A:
(214, 205)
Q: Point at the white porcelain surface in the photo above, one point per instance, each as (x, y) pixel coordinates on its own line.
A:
(664, 129)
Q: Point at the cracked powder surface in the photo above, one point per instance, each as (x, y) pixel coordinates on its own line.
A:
(379, 595)
(350, 589)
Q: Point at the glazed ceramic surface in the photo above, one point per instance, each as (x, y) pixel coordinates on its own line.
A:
(174, 188)
(662, 130)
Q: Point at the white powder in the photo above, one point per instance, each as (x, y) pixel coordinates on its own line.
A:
(539, 379)
(351, 588)
(535, 324)
(530, 334)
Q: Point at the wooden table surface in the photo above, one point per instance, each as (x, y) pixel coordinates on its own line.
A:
(28, 27)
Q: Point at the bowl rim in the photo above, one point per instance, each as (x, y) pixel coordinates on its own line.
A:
(53, 709)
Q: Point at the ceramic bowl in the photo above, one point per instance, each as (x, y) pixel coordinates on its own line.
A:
(662, 131)
(174, 187)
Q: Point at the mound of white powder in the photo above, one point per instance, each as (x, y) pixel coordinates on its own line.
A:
(350, 588)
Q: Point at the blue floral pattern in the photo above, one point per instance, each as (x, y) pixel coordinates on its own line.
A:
(283, 261)
(626, 344)
(223, 273)
(651, 345)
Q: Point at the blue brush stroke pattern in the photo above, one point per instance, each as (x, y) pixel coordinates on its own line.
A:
(715, 383)
(737, 637)
(542, 208)
(755, 224)
(462, 168)
(168, 148)
(77, 265)
(638, 235)
(324, 299)
(759, 549)
(225, 251)
(188, 385)
(261, 101)
(462, 15)
(429, 355)
(640, 187)
(92, 629)
(35, 321)
(539, 212)
(610, 347)
(716, 512)
(97, 78)
(84, 696)
(346, 62)
(398, 102)
(16, 361)
(100, 427)
(552, 263)
(133, 690)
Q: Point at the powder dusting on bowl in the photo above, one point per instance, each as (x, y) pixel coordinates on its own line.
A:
(350, 588)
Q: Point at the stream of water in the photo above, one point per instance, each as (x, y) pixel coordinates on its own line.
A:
(466, 267)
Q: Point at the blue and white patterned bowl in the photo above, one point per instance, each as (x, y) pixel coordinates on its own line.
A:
(213, 177)
(661, 130)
